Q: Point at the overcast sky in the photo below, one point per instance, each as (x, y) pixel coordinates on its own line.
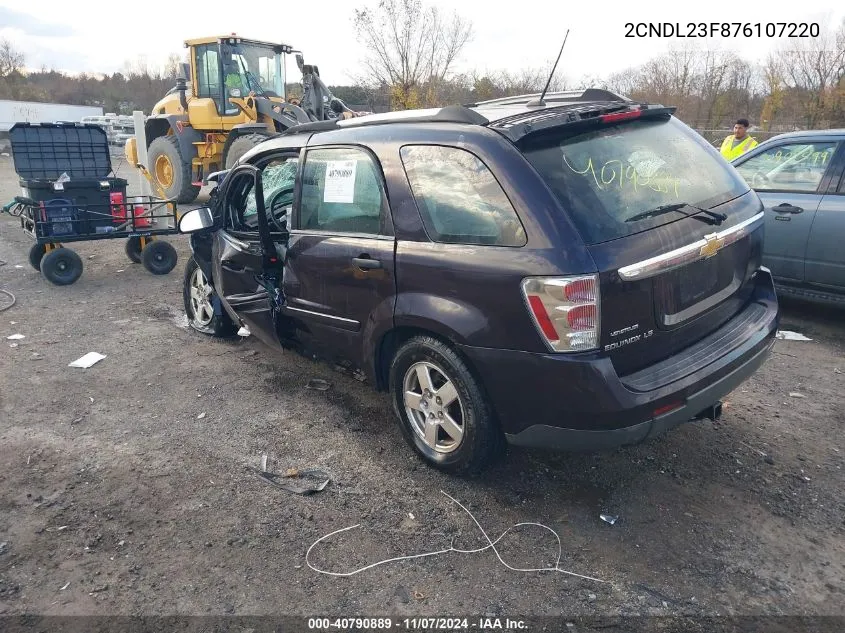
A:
(85, 35)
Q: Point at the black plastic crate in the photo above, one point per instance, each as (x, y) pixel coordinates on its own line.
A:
(89, 199)
(48, 150)
(67, 166)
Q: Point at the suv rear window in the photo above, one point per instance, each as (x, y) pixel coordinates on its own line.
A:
(607, 175)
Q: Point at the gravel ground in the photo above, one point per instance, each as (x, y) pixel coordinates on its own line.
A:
(125, 488)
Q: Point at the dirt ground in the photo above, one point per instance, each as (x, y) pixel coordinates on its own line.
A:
(125, 488)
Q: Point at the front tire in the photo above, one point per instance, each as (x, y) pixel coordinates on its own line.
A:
(61, 266)
(198, 296)
(170, 170)
(442, 411)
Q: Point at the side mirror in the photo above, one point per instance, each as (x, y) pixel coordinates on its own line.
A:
(300, 62)
(196, 220)
(235, 92)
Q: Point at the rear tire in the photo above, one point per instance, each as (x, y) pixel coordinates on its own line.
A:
(241, 146)
(164, 151)
(36, 254)
(61, 266)
(430, 422)
(159, 257)
(133, 248)
(199, 296)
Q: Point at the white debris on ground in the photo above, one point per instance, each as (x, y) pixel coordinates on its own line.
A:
(786, 335)
(87, 361)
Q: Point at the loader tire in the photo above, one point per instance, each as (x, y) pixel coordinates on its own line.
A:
(170, 170)
(241, 146)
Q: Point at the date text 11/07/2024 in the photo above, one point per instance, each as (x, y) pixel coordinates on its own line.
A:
(722, 29)
(418, 624)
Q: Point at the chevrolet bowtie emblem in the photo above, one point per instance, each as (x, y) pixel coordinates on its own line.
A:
(712, 246)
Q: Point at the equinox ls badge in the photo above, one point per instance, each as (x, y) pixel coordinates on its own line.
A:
(713, 244)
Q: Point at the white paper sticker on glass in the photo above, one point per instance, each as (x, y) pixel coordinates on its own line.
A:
(340, 181)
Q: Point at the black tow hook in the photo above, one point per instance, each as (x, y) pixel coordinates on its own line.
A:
(713, 412)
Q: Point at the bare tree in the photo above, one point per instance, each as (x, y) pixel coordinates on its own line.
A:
(138, 67)
(626, 82)
(671, 76)
(837, 102)
(814, 67)
(774, 101)
(411, 48)
(528, 80)
(592, 81)
(723, 87)
(713, 76)
(11, 60)
(172, 66)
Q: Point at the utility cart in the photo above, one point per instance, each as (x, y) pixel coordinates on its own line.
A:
(70, 195)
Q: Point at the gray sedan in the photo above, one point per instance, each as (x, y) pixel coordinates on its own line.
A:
(799, 177)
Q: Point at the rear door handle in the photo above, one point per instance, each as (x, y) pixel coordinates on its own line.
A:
(787, 208)
(366, 263)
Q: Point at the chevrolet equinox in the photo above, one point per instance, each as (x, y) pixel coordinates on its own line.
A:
(576, 273)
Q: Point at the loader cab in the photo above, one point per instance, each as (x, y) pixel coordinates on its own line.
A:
(226, 68)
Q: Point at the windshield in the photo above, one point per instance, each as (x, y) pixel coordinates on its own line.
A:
(607, 176)
(255, 68)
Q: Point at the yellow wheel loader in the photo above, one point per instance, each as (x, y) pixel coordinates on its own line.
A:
(230, 97)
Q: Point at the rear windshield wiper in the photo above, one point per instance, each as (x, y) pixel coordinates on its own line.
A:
(713, 216)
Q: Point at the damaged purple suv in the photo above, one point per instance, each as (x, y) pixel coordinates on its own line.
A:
(576, 274)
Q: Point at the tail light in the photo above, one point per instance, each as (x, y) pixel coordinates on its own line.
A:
(565, 311)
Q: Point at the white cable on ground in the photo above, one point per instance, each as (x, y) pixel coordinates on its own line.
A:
(451, 548)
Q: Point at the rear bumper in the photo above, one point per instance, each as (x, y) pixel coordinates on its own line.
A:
(580, 403)
(541, 435)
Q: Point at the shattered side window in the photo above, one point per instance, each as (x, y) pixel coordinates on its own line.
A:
(277, 183)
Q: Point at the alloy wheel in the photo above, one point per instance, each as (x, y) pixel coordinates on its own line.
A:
(201, 292)
(434, 407)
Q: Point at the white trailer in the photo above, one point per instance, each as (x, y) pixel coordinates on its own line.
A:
(12, 112)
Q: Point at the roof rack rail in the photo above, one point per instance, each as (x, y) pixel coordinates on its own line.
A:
(314, 126)
(447, 114)
(588, 94)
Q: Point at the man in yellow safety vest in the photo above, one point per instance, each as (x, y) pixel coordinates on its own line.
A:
(739, 142)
